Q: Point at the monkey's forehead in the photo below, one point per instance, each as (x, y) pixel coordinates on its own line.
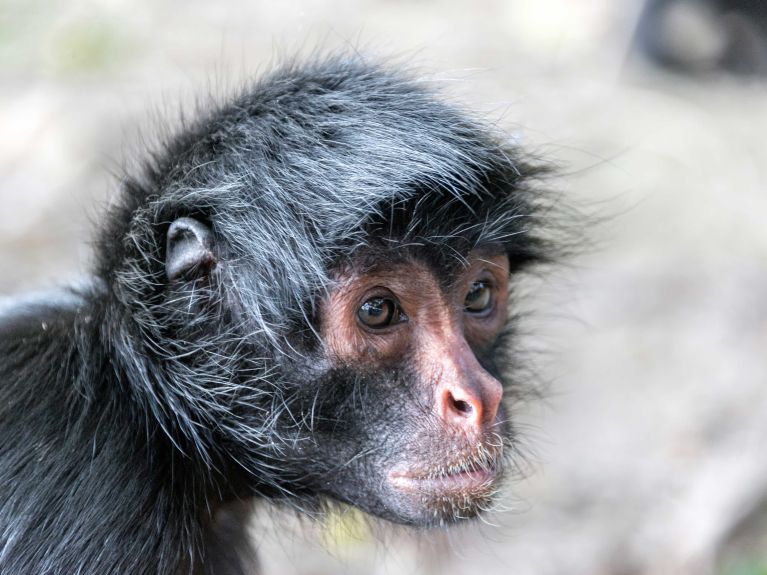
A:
(382, 257)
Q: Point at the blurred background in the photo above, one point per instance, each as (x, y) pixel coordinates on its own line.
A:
(649, 455)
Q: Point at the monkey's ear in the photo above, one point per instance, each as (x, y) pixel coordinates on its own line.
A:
(189, 249)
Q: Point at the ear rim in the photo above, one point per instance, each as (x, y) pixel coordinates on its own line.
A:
(188, 249)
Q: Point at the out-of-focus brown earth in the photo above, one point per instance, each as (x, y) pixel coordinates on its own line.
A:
(650, 453)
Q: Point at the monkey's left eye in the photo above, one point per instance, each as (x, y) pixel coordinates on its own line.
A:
(479, 298)
(380, 312)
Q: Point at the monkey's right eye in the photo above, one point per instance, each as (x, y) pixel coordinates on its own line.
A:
(380, 312)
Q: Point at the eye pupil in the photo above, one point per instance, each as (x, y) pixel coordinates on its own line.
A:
(378, 312)
(479, 297)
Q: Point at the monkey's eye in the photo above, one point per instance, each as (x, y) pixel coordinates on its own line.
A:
(380, 312)
(479, 298)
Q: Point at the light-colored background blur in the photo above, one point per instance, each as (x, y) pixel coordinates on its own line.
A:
(650, 454)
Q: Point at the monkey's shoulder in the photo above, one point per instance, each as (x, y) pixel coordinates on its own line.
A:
(32, 315)
(36, 329)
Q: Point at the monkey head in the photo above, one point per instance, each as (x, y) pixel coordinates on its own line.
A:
(329, 262)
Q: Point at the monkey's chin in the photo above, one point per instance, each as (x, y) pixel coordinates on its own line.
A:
(440, 499)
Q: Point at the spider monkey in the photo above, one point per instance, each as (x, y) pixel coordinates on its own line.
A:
(302, 297)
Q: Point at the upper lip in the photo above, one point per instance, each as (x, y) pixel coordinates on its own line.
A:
(466, 473)
(467, 469)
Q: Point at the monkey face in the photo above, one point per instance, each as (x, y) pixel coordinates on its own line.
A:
(394, 404)
(407, 420)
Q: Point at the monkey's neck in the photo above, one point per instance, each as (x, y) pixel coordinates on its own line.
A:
(136, 478)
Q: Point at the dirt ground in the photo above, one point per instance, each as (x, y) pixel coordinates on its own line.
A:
(648, 457)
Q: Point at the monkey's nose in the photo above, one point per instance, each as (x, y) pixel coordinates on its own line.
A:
(469, 404)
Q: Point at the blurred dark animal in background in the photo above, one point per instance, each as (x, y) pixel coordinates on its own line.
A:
(697, 36)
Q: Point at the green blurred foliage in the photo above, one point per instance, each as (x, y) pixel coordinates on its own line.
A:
(746, 567)
(45, 37)
(85, 47)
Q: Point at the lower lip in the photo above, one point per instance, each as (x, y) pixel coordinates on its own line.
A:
(467, 481)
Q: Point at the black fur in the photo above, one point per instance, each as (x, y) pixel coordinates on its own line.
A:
(135, 413)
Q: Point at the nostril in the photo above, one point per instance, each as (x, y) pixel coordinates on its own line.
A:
(463, 407)
(459, 406)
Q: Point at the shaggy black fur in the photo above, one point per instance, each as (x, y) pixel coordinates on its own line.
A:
(136, 413)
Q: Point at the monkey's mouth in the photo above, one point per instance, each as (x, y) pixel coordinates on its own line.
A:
(443, 495)
(462, 482)
(469, 477)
